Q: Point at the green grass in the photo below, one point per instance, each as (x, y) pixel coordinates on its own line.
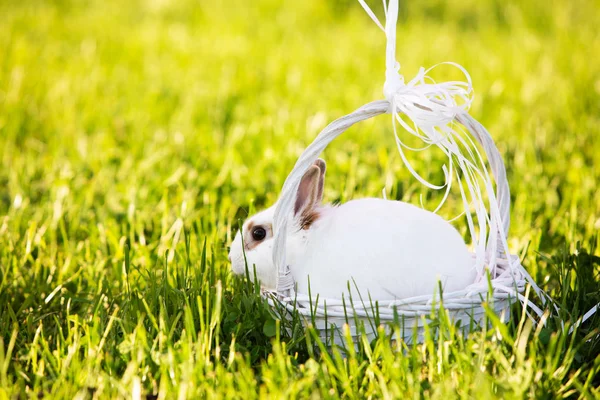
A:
(135, 135)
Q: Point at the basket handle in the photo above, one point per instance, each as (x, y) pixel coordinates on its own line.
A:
(283, 210)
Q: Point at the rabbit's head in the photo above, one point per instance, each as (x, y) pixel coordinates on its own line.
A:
(253, 244)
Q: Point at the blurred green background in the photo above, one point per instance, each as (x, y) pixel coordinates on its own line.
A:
(124, 124)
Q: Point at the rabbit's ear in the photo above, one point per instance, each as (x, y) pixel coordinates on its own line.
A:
(322, 168)
(307, 196)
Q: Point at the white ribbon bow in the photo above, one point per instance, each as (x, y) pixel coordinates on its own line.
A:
(428, 110)
(432, 109)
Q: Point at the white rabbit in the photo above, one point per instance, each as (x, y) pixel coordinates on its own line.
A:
(389, 249)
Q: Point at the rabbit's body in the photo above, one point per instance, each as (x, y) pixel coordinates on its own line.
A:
(389, 249)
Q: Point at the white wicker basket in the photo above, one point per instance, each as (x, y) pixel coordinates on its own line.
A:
(435, 115)
(507, 276)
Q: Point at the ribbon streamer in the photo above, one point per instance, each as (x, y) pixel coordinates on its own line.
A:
(437, 114)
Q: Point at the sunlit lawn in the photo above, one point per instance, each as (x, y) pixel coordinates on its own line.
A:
(134, 136)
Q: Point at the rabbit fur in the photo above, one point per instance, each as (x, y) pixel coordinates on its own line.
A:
(386, 249)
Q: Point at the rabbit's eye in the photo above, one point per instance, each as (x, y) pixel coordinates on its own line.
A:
(259, 233)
